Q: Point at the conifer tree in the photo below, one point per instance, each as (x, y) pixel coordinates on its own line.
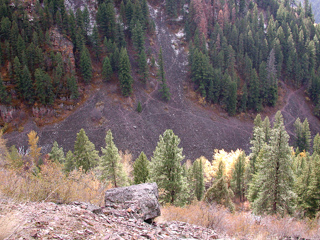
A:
(110, 164)
(44, 89)
(106, 69)
(274, 176)
(95, 40)
(303, 135)
(69, 165)
(198, 175)
(57, 153)
(143, 66)
(85, 155)
(4, 96)
(25, 85)
(238, 177)
(85, 65)
(316, 144)
(125, 77)
(232, 98)
(166, 169)
(141, 169)
(72, 87)
(138, 37)
(165, 93)
(219, 191)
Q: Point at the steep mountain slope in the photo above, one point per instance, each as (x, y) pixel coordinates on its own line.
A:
(201, 128)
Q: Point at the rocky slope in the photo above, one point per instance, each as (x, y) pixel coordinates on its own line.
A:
(48, 220)
(201, 128)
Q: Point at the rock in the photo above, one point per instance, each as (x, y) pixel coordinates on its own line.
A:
(142, 199)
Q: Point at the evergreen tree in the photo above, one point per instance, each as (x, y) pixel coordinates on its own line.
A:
(316, 144)
(232, 98)
(139, 107)
(72, 87)
(138, 37)
(57, 153)
(303, 135)
(141, 169)
(106, 69)
(198, 176)
(85, 65)
(143, 66)
(4, 96)
(44, 89)
(238, 177)
(25, 85)
(95, 40)
(219, 191)
(85, 155)
(166, 169)
(110, 164)
(274, 176)
(125, 77)
(163, 86)
(70, 164)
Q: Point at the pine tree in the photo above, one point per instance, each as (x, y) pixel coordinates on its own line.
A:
(25, 85)
(316, 144)
(85, 154)
(238, 177)
(141, 169)
(85, 65)
(72, 87)
(232, 98)
(138, 37)
(4, 96)
(57, 153)
(110, 164)
(125, 77)
(44, 89)
(303, 135)
(219, 191)
(106, 69)
(70, 164)
(274, 176)
(143, 66)
(139, 107)
(95, 40)
(165, 92)
(166, 169)
(198, 176)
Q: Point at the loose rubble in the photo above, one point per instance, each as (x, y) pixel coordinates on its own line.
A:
(47, 220)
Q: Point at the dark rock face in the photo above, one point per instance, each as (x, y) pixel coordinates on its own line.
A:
(141, 200)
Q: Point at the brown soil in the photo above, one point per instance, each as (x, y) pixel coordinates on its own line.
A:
(201, 128)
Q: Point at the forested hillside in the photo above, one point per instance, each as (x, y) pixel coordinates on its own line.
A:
(242, 56)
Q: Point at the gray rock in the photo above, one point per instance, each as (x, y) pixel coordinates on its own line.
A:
(141, 200)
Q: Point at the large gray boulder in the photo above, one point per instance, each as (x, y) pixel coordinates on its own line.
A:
(141, 200)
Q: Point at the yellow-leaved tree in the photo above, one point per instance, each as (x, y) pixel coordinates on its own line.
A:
(3, 151)
(34, 149)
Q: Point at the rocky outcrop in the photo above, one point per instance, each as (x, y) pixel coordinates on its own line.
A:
(140, 200)
(63, 45)
(46, 220)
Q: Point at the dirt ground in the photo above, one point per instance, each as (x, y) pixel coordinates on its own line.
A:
(201, 128)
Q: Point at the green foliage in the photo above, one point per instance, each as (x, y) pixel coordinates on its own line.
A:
(85, 155)
(25, 85)
(271, 188)
(44, 88)
(143, 66)
(125, 77)
(72, 86)
(166, 169)
(141, 169)
(85, 65)
(139, 107)
(219, 191)
(198, 176)
(57, 153)
(303, 135)
(164, 89)
(4, 96)
(70, 164)
(110, 164)
(238, 181)
(106, 69)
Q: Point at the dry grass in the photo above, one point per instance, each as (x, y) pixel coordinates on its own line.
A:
(51, 184)
(242, 225)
